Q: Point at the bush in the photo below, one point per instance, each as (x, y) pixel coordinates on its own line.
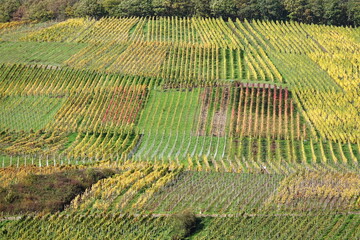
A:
(184, 224)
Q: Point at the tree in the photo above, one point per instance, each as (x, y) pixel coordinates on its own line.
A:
(335, 12)
(223, 8)
(202, 8)
(248, 9)
(353, 12)
(297, 9)
(184, 223)
(44, 10)
(89, 8)
(317, 11)
(59, 7)
(271, 9)
(7, 9)
(110, 5)
(180, 8)
(126, 8)
(40, 12)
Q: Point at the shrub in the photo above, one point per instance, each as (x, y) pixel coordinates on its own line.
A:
(184, 224)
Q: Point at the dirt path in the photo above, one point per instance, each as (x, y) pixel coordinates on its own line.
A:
(10, 218)
(13, 218)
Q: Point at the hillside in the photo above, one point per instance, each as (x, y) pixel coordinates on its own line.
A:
(198, 128)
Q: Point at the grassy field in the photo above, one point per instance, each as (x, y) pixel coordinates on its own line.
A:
(42, 53)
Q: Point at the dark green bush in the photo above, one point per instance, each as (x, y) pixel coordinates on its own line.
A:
(184, 223)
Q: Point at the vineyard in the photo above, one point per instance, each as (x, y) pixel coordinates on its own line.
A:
(212, 128)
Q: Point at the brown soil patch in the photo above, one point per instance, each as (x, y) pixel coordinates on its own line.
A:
(213, 113)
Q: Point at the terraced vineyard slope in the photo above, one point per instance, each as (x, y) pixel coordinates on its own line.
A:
(210, 128)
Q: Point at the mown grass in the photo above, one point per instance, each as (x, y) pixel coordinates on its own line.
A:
(46, 53)
(28, 112)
